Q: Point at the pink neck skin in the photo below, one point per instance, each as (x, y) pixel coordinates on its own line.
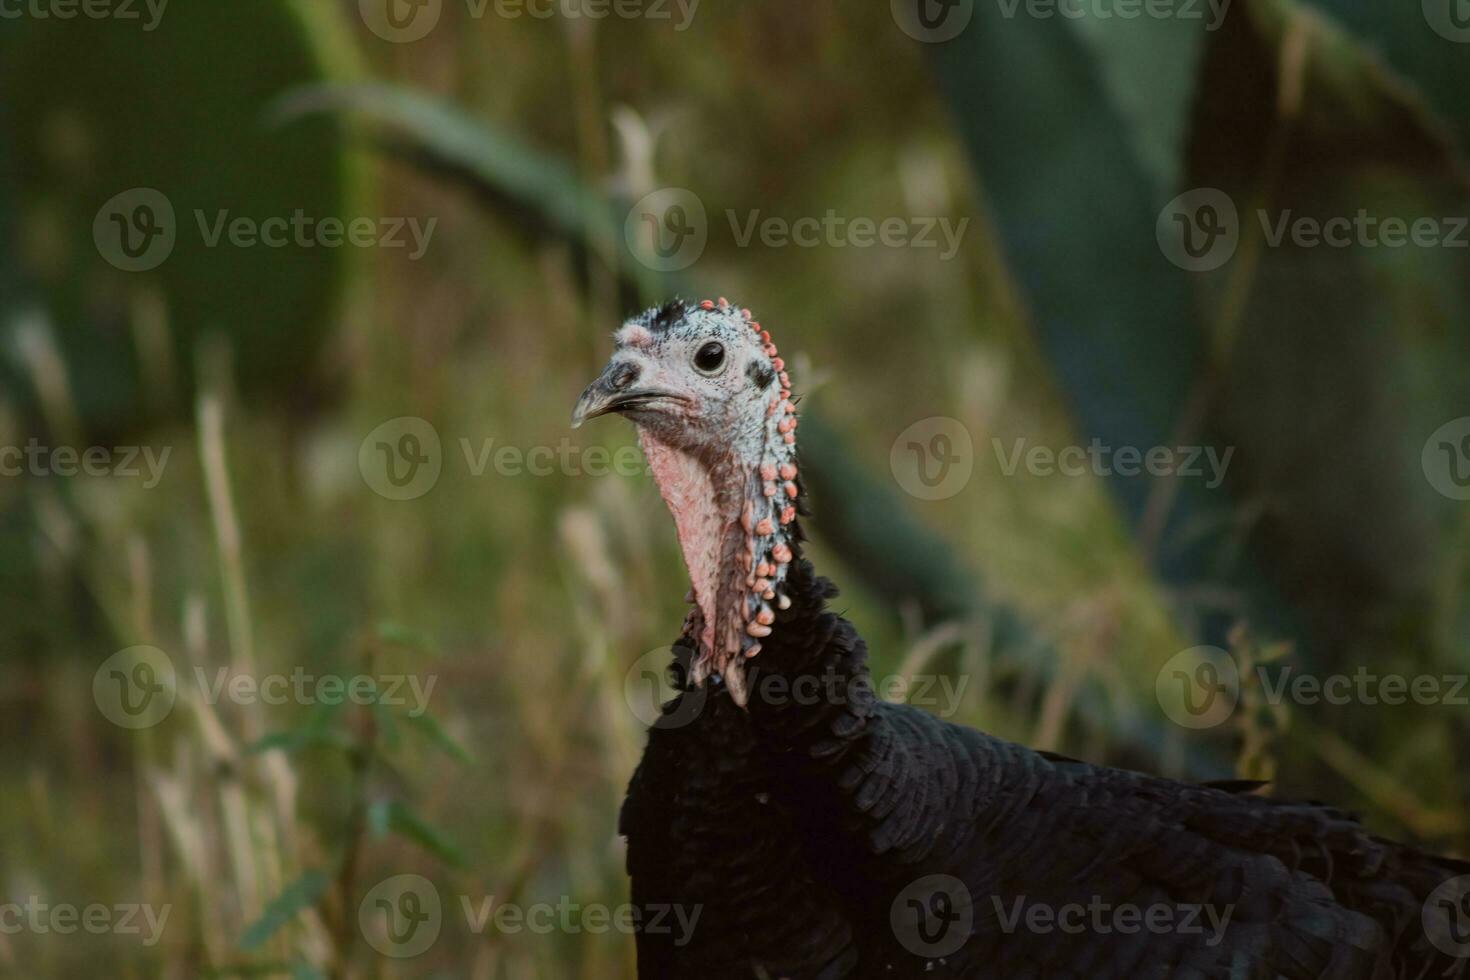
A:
(706, 499)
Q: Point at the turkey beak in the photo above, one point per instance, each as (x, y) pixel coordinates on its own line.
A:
(613, 390)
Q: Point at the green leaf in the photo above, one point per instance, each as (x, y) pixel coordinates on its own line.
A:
(1078, 129)
(428, 726)
(173, 110)
(1347, 524)
(1146, 353)
(406, 823)
(1401, 34)
(299, 895)
(491, 161)
(317, 731)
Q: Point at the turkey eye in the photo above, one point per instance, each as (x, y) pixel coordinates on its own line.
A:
(711, 358)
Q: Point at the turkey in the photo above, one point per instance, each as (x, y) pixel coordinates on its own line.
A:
(805, 828)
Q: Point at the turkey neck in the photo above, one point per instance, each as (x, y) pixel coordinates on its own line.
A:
(734, 511)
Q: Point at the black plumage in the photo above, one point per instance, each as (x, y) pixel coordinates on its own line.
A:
(804, 828)
(796, 825)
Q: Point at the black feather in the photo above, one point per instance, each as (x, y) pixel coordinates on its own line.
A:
(794, 826)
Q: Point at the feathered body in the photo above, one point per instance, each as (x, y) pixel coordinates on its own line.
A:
(821, 832)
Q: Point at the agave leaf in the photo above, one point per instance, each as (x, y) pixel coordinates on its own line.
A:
(138, 109)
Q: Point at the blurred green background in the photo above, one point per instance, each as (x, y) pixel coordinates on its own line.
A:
(1082, 157)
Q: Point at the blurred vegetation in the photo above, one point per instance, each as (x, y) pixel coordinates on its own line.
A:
(526, 598)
